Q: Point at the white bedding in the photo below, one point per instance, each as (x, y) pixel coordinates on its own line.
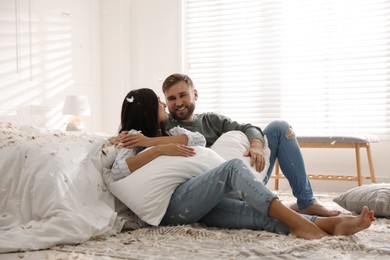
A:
(51, 188)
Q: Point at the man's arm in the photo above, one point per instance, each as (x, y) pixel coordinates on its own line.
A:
(224, 124)
(253, 133)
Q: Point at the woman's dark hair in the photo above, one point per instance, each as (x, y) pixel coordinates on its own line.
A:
(140, 112)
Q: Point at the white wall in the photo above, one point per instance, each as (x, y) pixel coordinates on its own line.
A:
(49, 49)
(115, 65)
(140, 47)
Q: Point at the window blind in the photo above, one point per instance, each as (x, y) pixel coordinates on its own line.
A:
(324, 66)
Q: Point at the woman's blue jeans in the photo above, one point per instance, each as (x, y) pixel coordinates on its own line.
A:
(284, 146)
(205, 199)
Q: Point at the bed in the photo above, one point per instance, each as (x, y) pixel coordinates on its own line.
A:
(54, 204)
(51, 189)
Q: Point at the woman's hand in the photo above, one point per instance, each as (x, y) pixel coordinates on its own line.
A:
(120, 137)
(176, 150)
(130, 141)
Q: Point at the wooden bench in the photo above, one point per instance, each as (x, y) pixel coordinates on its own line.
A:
(336, 141)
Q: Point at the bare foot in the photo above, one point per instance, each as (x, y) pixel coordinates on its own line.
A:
(298, 225)
(308, 230)
(351, 225)
(315, 209)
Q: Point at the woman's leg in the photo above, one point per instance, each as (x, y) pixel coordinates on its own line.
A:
(230, 213)
(203, 199)
(194, 198)
(237, 214)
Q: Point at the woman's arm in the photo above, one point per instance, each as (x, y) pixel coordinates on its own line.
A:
(130, 160)
(137, 161)
(178, 135)
(133, 140)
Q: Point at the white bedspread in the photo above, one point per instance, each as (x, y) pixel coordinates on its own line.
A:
(51, 188)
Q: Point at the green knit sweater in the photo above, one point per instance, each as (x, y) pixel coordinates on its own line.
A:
(212, 126)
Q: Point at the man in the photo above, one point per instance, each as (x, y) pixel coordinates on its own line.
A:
(181, 95)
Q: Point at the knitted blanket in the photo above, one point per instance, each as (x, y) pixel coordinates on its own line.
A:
(199, 242)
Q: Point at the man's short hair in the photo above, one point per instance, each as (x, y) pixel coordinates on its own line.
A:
(174, 79)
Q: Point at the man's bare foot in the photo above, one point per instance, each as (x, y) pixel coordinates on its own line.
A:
(351, 225)
(315, 209)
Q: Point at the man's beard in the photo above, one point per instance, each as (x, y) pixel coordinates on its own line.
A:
(187, 115)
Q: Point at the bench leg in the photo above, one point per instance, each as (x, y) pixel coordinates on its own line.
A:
(371, 164)
(358, 167)
(277, 174)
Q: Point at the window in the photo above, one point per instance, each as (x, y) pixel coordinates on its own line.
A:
(324, 66)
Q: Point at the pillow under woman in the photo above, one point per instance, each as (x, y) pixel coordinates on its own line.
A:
(204, 198)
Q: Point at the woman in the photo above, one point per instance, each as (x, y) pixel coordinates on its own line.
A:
(204, 198)
(143, 112)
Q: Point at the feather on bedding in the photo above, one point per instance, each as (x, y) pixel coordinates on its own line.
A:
(51, 189)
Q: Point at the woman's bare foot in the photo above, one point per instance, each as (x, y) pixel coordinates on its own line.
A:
(351, 225)
(308, 230)
(315, 209)
(298, 225)
(346, 225)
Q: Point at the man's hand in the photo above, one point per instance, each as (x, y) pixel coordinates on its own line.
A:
(255, 151)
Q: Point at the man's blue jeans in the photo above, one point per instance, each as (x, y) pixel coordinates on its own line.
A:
(205, 199)
(284, 146)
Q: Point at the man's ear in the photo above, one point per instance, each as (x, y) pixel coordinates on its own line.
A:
(195, 94)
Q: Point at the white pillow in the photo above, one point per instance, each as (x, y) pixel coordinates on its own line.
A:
(374, 196)
(148, 190)
(233, 144)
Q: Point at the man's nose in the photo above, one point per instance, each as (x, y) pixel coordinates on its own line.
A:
(179, 102)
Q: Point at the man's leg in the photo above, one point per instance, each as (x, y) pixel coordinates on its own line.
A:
(284, 146)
